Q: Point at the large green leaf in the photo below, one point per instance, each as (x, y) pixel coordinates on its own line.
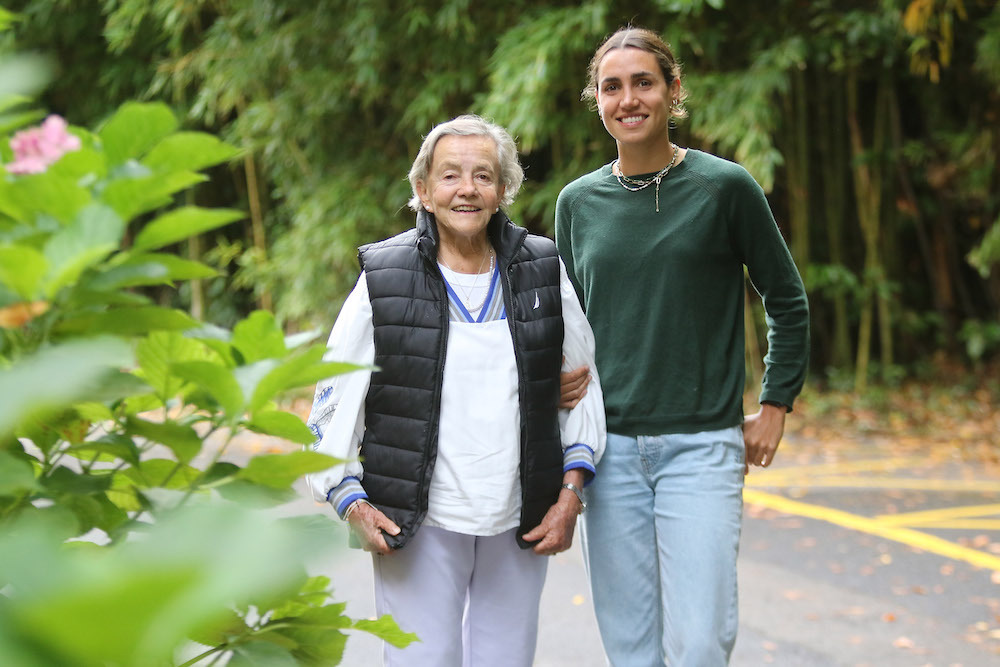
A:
(158, 351)
(318, 632)
(280, 471)
(154, 473)
(62, 480)
(182, 440)
(16, 475)
(386, 628)
(182, 223)
(21, 269)
(132, 196)
(111, 447)
(262, 653)
(150, 269)
(58, 376)
(135, 603)
(215, 379)
(281, 425)
(84, 165)
(128, 321)
(190, 151)
(300, 370)
(24, 198)
(134, 129)
(259, 337)
(95, 232)
(94, 511)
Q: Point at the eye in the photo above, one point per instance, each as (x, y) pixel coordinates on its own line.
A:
(645, 83)
(609, 88)
(484, 178)
(448, 177)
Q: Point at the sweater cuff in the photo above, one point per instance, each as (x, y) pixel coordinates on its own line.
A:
(774, 399)
(580, 456)
(345, 493)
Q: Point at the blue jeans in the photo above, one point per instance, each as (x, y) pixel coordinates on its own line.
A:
(661, 535)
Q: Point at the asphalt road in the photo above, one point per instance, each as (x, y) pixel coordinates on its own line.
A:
(864, 555)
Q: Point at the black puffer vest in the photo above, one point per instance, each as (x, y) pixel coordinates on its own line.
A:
(410, 313)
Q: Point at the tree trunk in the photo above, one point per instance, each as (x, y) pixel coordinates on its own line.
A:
(835, 194)
(867, 174)
(797, 161)
(257, 222)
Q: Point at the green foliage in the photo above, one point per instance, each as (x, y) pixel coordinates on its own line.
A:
(980, 338)
(987, 254)
(124, 533)
(326, 133)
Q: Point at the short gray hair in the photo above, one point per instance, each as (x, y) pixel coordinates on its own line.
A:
(469, 125)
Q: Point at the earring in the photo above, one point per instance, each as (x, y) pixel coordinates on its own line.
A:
(427, 206)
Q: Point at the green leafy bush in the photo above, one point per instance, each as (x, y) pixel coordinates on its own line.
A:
(127, 535)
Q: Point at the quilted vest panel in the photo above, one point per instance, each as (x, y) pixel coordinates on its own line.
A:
(410, 315)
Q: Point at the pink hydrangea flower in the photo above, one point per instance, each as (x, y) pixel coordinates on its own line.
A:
(38, 147)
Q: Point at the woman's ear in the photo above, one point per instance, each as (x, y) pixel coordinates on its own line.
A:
(422, 193)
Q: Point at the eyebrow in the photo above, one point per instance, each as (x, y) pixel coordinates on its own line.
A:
(482, 166)
(637, 75)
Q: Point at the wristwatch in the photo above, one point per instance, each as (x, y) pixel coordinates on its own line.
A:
(579, 495)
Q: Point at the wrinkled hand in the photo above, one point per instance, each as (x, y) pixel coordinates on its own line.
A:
(761, 434)
(367, 522)
(573, 386)
(555, 532)
(557, 526)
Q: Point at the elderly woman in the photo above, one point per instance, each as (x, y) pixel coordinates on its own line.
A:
(469, 472)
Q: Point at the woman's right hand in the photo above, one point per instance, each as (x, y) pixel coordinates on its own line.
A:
(573, 386)
(368, 522)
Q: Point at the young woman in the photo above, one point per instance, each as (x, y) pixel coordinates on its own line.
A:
(656, 244)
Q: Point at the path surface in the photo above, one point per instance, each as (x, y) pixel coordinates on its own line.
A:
(852, 555)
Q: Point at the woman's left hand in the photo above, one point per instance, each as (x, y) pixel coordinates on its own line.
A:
(555, 532)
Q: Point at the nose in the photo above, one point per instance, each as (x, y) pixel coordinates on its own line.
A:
(628, 97)
(467, 186)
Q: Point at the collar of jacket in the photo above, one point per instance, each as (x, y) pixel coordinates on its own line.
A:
(505, 236)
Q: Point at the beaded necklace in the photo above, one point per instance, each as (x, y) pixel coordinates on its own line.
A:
(642, 184)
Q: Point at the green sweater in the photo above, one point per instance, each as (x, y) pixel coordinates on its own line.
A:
(664, 293)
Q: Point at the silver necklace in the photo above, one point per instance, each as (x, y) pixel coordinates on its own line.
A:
(642, 184)
(475, 283)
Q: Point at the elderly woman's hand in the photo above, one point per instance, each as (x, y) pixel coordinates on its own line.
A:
(368, 522)
(555, 532)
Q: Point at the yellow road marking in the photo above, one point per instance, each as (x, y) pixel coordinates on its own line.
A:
(937, 515)
(865, 465)
(961, 524)
(971, 485)
(871, 526)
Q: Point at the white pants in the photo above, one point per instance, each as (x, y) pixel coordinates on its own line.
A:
(472, 601)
